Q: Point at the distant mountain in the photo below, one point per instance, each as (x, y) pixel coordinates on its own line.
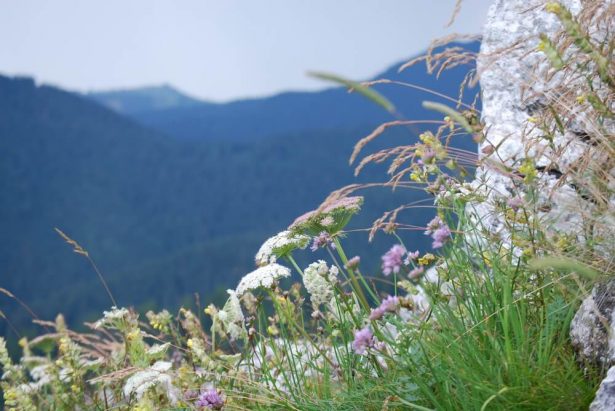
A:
(144, 99)
(166, 212)
(247, 120)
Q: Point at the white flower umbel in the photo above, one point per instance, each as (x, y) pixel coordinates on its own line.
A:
(111, 318)
(155, 376)
(263, 277)
(278, 246)
(232, 318)
(319, 281)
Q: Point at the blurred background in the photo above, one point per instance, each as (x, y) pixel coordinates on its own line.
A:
(170, 139)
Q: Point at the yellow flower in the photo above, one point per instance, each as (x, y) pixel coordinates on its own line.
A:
(528, 170)
(426, 259)
(553, 7)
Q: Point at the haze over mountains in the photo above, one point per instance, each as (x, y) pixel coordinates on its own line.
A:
(173, 196)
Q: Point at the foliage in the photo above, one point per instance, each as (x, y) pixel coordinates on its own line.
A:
(478, 322)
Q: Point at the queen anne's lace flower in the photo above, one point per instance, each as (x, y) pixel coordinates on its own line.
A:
(319, 280)
(155, 376)
(111, 318)
(278, 246)
(232, 317)
(331, 216)
(263, 277)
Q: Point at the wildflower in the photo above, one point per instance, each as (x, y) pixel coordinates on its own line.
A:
(112, 318)
(159, 321)
(411, 257)
(262, 277)
(232, 317)
(439, 231)
(528, 170)
(515, 203)
(321, 240)
(318, 280)
(363, 339)
(440, 236)
(416, 272)
(426, 259)
(278, 246)
(388, 305)
(327, 221)
(331, 216)
(211, 399)
(156, 375)
(392, 260)
(353, 263)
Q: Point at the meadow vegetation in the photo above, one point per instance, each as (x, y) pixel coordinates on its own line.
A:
(477, 323)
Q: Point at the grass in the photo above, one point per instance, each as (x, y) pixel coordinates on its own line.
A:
(481, 323)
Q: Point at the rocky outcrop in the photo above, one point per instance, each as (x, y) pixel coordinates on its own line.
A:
(591, 330)
(518, 82)
(605, 397)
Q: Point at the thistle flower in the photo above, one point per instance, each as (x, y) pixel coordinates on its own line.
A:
(322, 240)
(318, 280)
(388, 305)
(210, 398)
(263, 277)
(278, 246)
(363, 339)
(392, 260)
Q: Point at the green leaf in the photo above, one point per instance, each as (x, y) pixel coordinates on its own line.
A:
(371, 94)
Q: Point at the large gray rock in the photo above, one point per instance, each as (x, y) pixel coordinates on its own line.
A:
(517, 82)
(591, 329)
(605, 397)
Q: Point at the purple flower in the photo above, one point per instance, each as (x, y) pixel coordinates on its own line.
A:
(388, 305)
(322, 240)
(411, 257)
(440, 236)
(439, 232)
(515, 203)
(415, 273)
(210, 399)
(353, 263)
(363, 339)
(393, 260)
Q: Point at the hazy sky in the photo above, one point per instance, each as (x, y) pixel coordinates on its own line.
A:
(218, 50)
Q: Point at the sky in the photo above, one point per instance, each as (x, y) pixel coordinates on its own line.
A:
(218, 50)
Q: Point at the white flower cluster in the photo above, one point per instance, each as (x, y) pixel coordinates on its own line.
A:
(278, 246)
(111, 318)
(232, 317)
(319, 281)
(262, 277)
(155, 376)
